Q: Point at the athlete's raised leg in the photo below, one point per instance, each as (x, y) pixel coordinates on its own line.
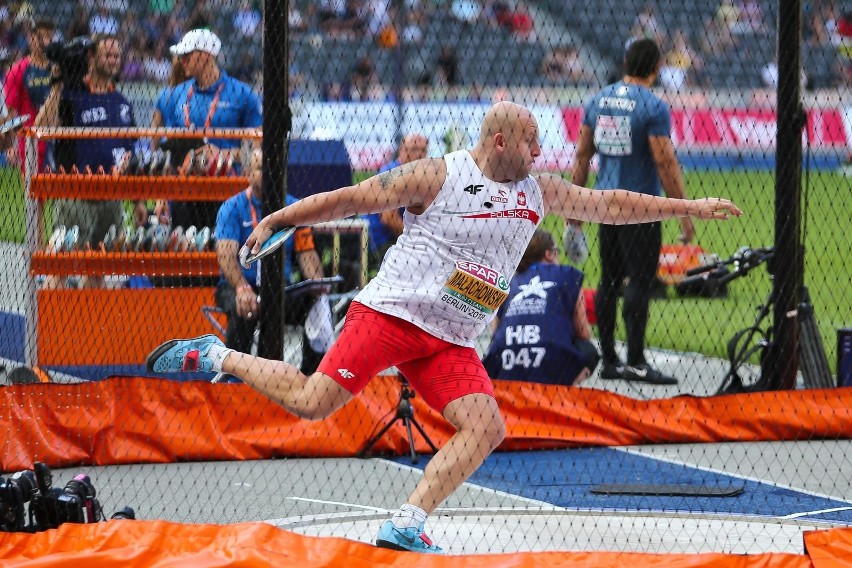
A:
(312, 398)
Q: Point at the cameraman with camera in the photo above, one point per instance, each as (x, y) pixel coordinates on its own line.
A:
(84, 95)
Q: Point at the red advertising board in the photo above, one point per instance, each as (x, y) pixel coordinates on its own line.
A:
(747, 129)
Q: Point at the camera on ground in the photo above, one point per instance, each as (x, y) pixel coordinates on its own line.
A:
(30, 503)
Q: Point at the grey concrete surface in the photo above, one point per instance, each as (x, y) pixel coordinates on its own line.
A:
(350, 498)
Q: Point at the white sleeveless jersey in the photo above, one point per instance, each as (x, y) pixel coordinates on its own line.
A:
(450, 269)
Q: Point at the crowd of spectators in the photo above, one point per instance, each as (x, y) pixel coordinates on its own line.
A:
(148, 27)
(740, 31)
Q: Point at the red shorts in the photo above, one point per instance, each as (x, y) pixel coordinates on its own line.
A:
(370, 342)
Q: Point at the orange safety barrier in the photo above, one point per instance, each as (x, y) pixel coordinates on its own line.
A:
(117, 327)
(156, 427)
(235, 422)
(829, 549)
(160, 543)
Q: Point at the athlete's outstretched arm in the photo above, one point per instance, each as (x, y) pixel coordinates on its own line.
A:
(621, 207)
(412, 185)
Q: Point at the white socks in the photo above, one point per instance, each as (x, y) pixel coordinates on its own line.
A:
(217, 355)
(409, 516)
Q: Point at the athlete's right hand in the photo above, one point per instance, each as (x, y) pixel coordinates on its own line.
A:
(258, 236)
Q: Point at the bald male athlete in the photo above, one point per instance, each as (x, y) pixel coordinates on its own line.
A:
(469, 217)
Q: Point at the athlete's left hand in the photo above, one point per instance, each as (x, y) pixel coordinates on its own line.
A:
(714, 208)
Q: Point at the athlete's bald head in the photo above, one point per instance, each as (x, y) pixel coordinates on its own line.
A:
(508, 142)
(503, 117)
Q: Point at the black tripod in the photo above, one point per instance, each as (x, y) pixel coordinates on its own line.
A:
(754, 341)
(404, 412)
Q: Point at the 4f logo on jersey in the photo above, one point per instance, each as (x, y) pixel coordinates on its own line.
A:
(346, 373)
(473, 189)
(522, 198)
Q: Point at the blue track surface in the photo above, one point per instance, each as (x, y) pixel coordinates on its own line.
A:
(565, 477)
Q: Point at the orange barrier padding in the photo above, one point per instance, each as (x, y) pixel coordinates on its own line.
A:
(95, 263)
(116, 327)
(165, 421)
(159, 543)
(547, 416)
(109, 187)
(829, 549)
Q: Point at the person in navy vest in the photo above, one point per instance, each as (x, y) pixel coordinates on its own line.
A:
(91, 102)
(541, 333)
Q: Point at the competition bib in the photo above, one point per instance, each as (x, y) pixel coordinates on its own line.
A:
(612, 135)
(475, 289)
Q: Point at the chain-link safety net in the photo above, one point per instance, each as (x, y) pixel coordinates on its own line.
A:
(463, 342)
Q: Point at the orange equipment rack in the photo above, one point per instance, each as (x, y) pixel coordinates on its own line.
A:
(114, 326)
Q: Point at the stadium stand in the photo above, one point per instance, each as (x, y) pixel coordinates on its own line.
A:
(503, 60)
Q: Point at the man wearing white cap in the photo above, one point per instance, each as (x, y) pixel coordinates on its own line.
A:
(210, 98)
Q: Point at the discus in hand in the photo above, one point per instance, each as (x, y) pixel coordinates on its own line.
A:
(271, 245)
(13, 123)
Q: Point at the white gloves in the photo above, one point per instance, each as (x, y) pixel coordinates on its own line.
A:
(574, 241)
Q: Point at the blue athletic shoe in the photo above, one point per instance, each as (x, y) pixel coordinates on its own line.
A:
(179, 355)
(413, 540)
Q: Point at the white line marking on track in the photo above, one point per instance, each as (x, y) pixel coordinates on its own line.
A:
(324, 518)
(811, 513)
(352, 505)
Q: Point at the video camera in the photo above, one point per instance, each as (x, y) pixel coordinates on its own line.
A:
(72, 58)
(48, 506)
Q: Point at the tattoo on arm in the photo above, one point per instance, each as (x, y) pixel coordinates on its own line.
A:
(387, 178)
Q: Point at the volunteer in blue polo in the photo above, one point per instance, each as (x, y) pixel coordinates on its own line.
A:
(210, 98)
(238, 288)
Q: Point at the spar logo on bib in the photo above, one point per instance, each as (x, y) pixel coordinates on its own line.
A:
(475, 289)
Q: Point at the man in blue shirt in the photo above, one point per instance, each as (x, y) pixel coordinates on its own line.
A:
(209, 99)
(92, 103)
(238, 288)
(386, 226)
(542, 333)
(629, 128)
